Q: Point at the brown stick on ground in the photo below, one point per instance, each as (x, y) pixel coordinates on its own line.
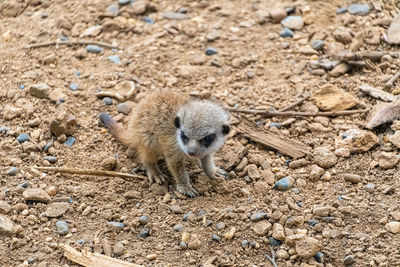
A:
(270, 114)
(71, 43)
(297, 103)
(89, 172)
(345, 56)
(89, 259)
(281, 144)
(389, 84)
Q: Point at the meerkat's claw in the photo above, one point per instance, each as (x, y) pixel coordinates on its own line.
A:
(221, 172)
(187, 190)
(156, 176)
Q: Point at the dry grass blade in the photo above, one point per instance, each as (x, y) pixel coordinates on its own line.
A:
(71, 43)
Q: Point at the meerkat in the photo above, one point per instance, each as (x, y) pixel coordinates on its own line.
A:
(177, 128)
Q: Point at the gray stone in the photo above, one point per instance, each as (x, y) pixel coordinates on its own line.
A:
(62, 227)
(6, 225)
(174, 15)
(293, 22)
(40, 90)
(36, 194)
(348, 260)
(358, 9)
(56, 209)
(284, 184)
(4, 207)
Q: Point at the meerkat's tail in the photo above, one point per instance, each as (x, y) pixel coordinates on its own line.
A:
(116, 129)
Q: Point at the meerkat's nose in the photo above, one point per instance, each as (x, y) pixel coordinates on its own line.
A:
(192, 153)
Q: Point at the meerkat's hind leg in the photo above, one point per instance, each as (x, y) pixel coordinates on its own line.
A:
(154, 174)
(176, 166)
(149, 159)
(207, 164)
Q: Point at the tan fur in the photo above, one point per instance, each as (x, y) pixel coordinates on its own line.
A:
(153, 134)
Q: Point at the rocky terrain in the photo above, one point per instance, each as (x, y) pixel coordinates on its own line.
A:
(64, 62)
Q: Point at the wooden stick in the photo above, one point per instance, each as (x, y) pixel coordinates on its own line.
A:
(389, 84)
(346, 56)
(272, 258)
(297, 103)
(270, 114)
(71, 43)
(281, 144)
(89, 259)
(89, 172)
(377, 93)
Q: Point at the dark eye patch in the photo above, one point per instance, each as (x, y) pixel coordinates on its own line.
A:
(184, 138)
(206, 141)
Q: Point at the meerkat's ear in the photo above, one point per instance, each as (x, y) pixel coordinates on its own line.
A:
(177, 122)
(225, 129)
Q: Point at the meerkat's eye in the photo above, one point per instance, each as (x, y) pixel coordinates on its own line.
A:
(184, 138)
(206, 141)
(225, 129)
(177, 122)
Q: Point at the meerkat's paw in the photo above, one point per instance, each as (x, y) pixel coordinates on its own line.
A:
(218, 173)
(156, 176)
(187, 190)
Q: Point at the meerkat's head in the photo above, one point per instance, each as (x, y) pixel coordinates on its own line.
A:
(201, 128)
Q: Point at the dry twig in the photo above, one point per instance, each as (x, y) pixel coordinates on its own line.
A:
(71, 43)
(89, 172)
(377, 93)
(346, 56)
(272, 258)
(389, 84)
(270, 114)
(297, 103)
(88, 259)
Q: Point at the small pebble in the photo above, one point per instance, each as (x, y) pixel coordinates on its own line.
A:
(144, 219)
(254, 244)
(275, 124)
(201, 213)
(348, 260)
(352, 178)
(341, 10)
(370, 187)
(220, 226)
(245, 243)
(113, 10)
(274, 242)
(211, 51)
(124, 108)
(286, 32)
(47, 146)
(118, 249)
(31, 260)
(258, 216)
(176, 209)
(23, 137)
(70, 141)
(107, 101)
(114, 58)
(4, 129)
(81, 241)
(62, 227)
(359, 9)
(12, 171)
(115, 225)
(318, 44)
(178, 227)
(183, 245)
(312, 222)
(319, 257)
(94, 49)
(216, 237)
(124, 2)
(21, 87)
(148, 20)
(293, 22)
(50, 159)
(145, 232)
(74, 86)
(284, 184)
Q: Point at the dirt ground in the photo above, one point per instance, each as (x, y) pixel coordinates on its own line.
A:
(254, 68)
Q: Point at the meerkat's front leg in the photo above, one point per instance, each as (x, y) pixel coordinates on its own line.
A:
(207, 164)
(176, 166)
